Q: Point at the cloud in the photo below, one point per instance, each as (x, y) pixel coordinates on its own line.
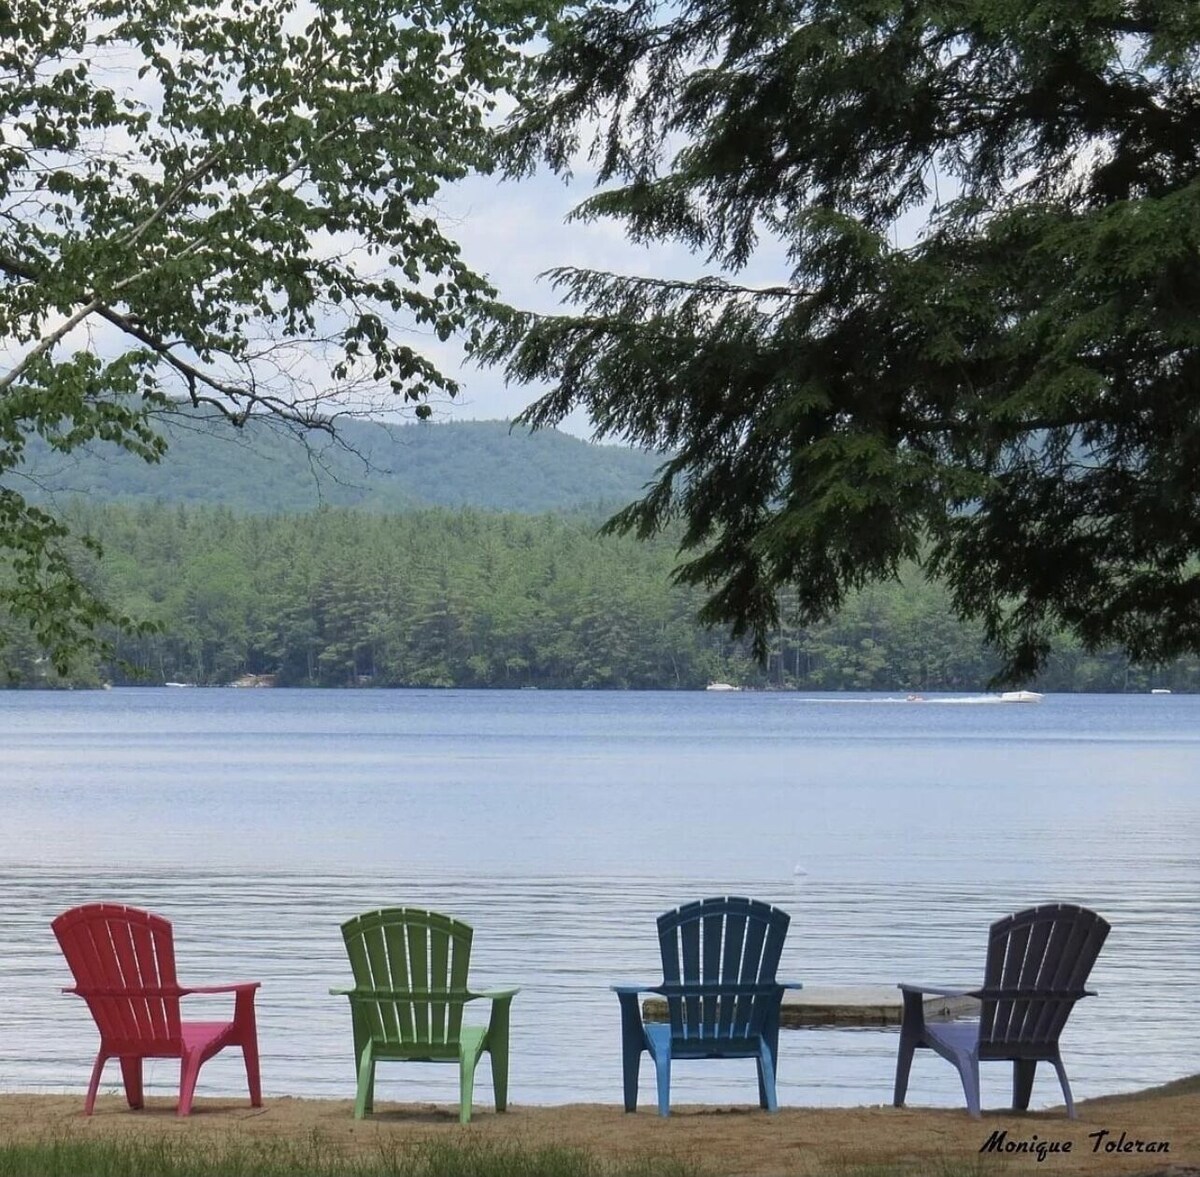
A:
(514, 231)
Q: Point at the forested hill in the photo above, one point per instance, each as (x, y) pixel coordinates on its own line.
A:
(378, 466)
(465, 598)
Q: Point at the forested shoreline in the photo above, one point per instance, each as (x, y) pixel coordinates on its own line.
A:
(469, 598)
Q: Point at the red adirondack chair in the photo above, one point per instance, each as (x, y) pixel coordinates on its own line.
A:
(123, 961)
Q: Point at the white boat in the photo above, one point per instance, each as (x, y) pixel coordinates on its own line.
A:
(179, 684)
(721, 686)
(1020, 697)
(1160, 690)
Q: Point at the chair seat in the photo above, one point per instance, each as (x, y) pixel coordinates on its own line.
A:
(471, 1043)
(201, 1035)
(660, 1043)
(958, 1037)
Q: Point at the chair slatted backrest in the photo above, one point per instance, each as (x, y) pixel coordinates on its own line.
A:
(410, 974)
(1038, 963)
(123, 961)
(719, 961)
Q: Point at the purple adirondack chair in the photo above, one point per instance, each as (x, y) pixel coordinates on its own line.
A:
(1037, 964)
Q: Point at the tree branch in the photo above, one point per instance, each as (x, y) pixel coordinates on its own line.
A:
(45, 344)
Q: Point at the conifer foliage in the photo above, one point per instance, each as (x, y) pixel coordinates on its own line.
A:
(1010, 393)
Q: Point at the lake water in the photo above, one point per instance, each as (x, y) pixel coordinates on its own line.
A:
(560, 825)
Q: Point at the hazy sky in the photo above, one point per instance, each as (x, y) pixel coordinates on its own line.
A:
(514, 230)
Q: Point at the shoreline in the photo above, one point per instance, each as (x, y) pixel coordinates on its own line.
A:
(717, 1140)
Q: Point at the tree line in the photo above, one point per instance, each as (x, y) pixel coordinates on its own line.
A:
(469, 598)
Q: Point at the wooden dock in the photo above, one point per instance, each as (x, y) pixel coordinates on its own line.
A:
(845, 1005)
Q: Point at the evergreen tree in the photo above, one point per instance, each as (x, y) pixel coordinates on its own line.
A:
(1012, 397)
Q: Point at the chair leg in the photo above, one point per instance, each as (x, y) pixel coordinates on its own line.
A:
(131, 1073)
(499, 1053)
(247, 1035)
(94, 1084)
(968, 1070)
(253, 1079)
(631, 1068)
(632, 1045)
(189, 1072)
(904, 1059)
(365, 1097)
(466, 1085)
(662, 1071)
(766, 1089)
(766, 1079)
(1023, 1072)
(1066, 1088)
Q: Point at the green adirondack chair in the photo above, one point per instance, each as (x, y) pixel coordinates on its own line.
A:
(410, 986)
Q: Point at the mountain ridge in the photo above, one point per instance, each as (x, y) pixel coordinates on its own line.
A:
(373, 465)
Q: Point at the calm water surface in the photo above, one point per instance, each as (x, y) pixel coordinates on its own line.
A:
(560, 825)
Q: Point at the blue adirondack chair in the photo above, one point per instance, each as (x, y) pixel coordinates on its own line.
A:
(1037, 964)
(719, 959)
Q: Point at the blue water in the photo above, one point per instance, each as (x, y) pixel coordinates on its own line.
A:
(560, 824)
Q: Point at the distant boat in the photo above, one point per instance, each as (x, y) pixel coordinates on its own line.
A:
(1160, 690)
(179, 684)
(721, 686)
(1020, 697)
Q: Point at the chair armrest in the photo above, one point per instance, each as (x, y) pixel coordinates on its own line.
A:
(999, 993)
(938, 990)
(244, 1023)
(690, 989)
(238, 987)
(633, 1040)
(497, 1027)
(88, 991)
(434, 996)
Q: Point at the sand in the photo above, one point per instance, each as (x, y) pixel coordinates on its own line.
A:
(724, 1141)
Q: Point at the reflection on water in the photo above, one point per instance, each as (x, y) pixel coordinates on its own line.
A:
(559, 826)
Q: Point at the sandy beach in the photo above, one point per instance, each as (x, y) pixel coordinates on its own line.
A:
(720, 1140)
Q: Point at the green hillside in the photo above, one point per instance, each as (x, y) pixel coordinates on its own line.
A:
(372, 465)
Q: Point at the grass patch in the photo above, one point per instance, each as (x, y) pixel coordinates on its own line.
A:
(945, 1168)
(310, 1158)
(1189, 1085)
(61, 1157)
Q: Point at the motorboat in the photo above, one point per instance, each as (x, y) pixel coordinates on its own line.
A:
(721, 686)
